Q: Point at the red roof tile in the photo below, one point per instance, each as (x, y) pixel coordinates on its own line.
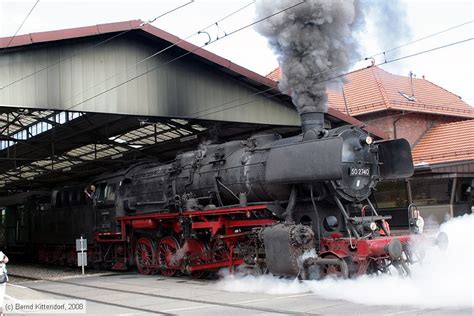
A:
(275, 74)
(447, 142)
(372, 89)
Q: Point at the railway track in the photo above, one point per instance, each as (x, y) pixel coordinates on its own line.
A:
(206, 303)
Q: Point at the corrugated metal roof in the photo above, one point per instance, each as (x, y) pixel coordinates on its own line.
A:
(51, 36)
(444, 143)
(56, 35)
(137, 25)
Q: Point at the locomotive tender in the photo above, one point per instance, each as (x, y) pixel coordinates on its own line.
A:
(296, 206)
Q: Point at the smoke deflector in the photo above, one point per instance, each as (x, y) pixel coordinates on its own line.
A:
(395, 159)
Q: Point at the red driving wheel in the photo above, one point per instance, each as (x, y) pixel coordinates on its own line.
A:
(220, 252)
(170, 263)
(196, 251)
(337, 270)
(145, 255)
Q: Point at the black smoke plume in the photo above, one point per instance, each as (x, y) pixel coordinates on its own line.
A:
(315, 43)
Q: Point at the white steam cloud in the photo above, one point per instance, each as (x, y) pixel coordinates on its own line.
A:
(444, 280)
(315, 42)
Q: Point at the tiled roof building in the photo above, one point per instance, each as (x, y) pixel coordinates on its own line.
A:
(275, 74)
(400, 106)
(444, 143)
(373, 89)
(440, 128)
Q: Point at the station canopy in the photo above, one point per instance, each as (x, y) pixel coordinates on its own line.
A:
(43, 148)
(72, 105)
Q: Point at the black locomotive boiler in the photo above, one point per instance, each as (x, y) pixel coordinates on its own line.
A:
(291, 206)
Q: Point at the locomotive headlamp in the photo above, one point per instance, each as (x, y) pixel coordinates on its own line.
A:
(366, 140)
(373, 226)
(419, 222)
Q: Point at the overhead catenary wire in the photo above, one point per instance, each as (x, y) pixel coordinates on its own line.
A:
(221, 19)
(138, 62)
(21, 25)
(321, 81)
(210, 25)
(403, 57)
(348, 64)
(390, 61)
(260, 20)
(423, 38)
(193, 115)
(179, 57)
(239, 99)
(167, 12)
(271, 88)
(89, 47)
(429, 50)
(64, 59)
(159, 52)
(383, 52)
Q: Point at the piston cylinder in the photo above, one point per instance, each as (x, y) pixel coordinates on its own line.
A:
(285, 246)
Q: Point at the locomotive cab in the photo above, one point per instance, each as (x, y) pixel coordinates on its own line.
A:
(104, 203)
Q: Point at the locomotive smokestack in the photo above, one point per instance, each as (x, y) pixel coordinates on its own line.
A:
(312, 125)
(312, 121)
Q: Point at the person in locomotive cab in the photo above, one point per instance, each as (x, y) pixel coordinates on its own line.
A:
(90, 192)
(3, 279)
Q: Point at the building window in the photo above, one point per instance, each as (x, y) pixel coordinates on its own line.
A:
(431, 191)
(391, 194)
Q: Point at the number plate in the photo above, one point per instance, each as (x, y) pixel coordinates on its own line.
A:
(359, 172)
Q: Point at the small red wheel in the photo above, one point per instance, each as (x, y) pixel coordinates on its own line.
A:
(220, 252)
(337, 270)
(145, 255)
(168, 256)
(196, 251)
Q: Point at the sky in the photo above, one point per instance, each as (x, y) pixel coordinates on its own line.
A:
(452, 68)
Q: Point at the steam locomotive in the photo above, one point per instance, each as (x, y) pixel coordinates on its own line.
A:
(296, 206)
